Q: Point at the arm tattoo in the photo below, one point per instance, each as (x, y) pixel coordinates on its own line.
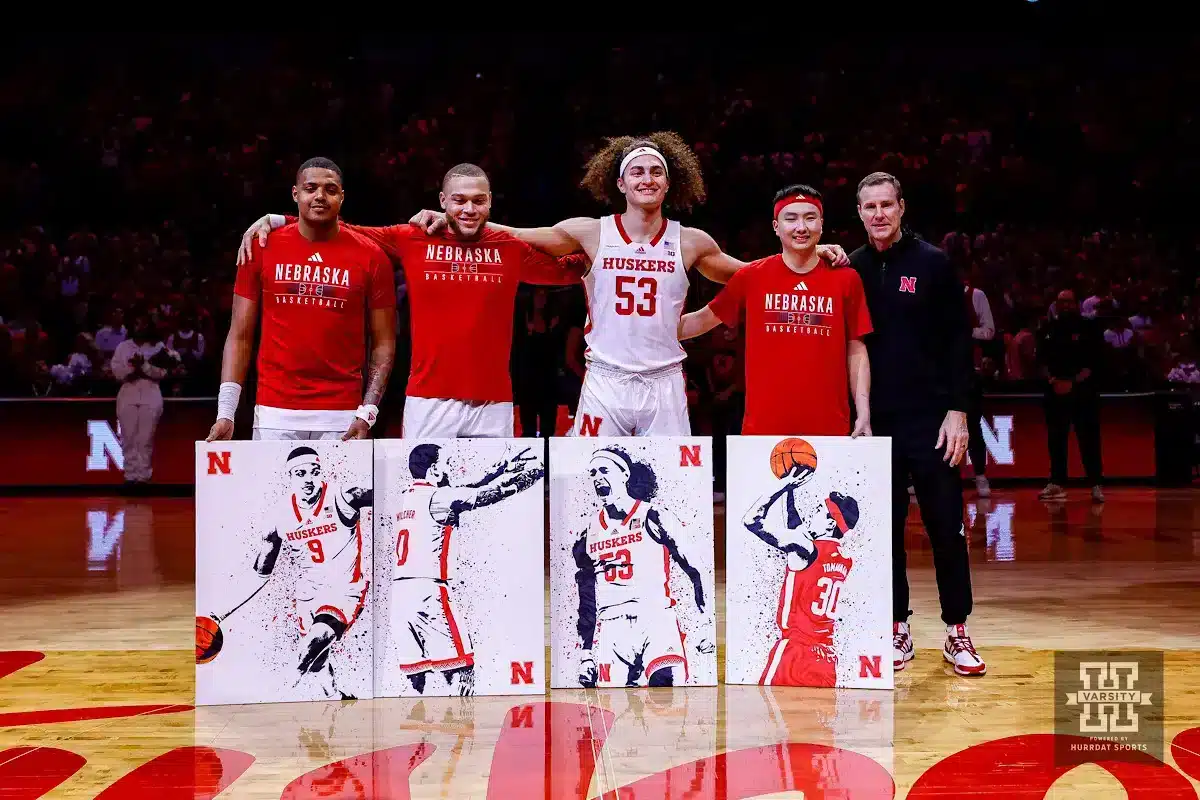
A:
(378, 373)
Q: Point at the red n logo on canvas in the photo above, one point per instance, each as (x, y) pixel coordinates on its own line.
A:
(522, 672)
(218, 462)
(689, 455)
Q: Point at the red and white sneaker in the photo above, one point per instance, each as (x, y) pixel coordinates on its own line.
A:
(960, 652)
(902, 645)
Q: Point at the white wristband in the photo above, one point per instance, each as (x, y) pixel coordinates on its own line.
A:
(368, 414)
(227, 400)
(277, 220)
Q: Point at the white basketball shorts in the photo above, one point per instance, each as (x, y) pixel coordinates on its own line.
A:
(439, 418)
(636, 645)
(425, 630)
(343, 603)
(275, 434)
(289, 424)
(614, 403)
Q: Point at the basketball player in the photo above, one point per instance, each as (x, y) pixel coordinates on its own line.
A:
(422, 607)
(805, 324)
(462, 287)
(320, 523)
(321, 286)
(637, 283)
(627, 620)
(816, 570)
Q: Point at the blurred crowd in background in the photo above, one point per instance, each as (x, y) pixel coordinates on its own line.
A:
(1039, 167)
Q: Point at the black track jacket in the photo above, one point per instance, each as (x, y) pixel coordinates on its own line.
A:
(920, 350)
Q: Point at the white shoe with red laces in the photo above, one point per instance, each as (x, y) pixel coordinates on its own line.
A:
(961, 653)
(902, 645)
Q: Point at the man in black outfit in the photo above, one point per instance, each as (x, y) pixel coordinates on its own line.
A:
(1069, 349)
(920, 384)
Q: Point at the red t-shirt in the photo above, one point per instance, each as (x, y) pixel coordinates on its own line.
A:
(798, 327)
(315, 297)
(461, 297)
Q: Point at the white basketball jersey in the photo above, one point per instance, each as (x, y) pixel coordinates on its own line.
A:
(422, 542)
(631, 568)
(327, 538)
(635, 293)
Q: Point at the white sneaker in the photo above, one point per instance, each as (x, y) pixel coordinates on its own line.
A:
(1053, 492)
(902, 645)
(1097, 495)
(960, 652)
(982, 488)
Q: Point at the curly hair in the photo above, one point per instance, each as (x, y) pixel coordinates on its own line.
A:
(642, 483)
(686, 179)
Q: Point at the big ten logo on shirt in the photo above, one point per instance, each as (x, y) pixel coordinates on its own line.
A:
(479, 263)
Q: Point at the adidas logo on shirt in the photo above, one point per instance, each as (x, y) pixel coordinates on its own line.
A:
(315, 258)
(641, 250)
(800, 287)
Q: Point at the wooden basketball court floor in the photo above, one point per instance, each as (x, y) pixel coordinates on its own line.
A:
(96, 603)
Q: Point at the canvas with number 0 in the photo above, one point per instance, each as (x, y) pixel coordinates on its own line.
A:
(283, 571)
(809, 561)
(460, 567)
(632, 599)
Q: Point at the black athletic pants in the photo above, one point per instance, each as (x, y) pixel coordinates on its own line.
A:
(1081, 408)
(939, 493)
(977, 447)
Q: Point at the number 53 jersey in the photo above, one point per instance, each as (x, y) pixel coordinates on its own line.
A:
(633, 571)
(809, 596)
(635, 295)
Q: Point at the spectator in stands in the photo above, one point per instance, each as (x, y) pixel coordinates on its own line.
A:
(112, 333)
(1185, 370)
(1070, 348)
(75, 376)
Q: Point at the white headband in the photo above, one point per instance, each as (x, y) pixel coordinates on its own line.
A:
(643, 151)
(617, 461)
(304, 458)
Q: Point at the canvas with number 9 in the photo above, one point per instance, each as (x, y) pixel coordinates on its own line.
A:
(631, 562)
(809, 571)
(283, 571)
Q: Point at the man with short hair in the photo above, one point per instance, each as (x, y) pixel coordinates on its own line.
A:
(921, 354)
(321, 285)
(805, 323)
(1069, 350)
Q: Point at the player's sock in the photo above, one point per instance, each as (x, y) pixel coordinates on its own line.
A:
(324, 679)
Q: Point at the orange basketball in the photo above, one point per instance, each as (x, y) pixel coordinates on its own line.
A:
(209, 639)
(791, 453)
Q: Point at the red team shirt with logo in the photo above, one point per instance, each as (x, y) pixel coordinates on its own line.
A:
(798, 329)
(314, 298)
(461, 297)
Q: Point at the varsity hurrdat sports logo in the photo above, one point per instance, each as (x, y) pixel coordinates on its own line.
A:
(1109, 704)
